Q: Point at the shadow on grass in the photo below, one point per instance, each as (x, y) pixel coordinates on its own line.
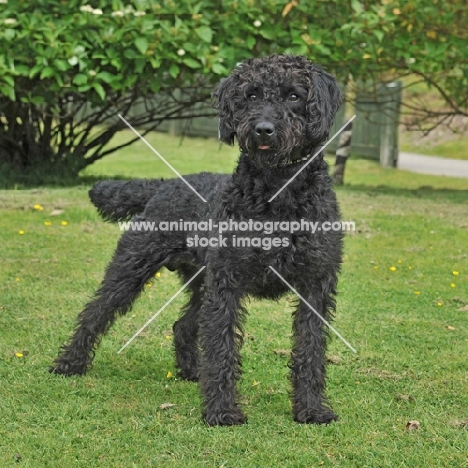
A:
(19, 181)
(26, 182)
(424, 192)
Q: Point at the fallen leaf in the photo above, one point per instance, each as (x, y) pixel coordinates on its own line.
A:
(449, 327)
(333, 359)
(56, 212)
(412, 425)
(404, 397)
(463, 309)
(165, 406)
(463, 424)
(282, 352)
(288, 7)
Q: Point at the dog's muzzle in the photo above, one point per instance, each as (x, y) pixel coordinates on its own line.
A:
(264, 131)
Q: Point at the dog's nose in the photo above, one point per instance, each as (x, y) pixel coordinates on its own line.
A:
(264, 129)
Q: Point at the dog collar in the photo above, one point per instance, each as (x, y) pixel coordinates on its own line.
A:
(297, 161)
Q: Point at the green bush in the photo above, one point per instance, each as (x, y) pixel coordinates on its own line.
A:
(67, 68)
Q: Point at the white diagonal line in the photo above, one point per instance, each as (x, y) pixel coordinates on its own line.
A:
(311, 159)
(160, 157)
(161, 309)
(313, 310)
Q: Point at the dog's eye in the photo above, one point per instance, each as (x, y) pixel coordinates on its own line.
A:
(293, 97)
(252, 97)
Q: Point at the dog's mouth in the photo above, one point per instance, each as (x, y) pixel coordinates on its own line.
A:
(264, 147)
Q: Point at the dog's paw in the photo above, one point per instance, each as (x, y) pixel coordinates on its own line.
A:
(321, 415)
(67, 368)
(231, 417)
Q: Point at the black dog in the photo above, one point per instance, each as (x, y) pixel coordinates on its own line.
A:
(280, 109)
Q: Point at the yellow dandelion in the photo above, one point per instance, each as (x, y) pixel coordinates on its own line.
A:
(158, 275)
(148, 285)
(376, 267)
(392, 268)
(38, 207)
(169, 375)
(417, 293)
(452, 285)
(431, 248)
(400, 261)
(20, 355)
(455, 273)
(168, 337)
(47, 223)
(18, 279)
(255, 383)
(440, 303)
(21, 232)
(410, 268)
(63, 223)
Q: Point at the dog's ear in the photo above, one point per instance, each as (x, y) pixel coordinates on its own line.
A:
(223, 100)
(324, 100)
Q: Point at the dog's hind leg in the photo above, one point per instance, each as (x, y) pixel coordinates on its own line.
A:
(186, 330)
(136, 259)
(308, 361)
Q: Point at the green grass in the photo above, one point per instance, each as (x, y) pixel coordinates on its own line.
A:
(411, 361)
(453, 149)
(187, 155)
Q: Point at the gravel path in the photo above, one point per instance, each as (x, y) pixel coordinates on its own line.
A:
(433, 165)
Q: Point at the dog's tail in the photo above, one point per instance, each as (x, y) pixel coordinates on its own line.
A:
(119, 200)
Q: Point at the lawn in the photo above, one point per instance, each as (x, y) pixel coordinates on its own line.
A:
(455, 148)
(402, 303)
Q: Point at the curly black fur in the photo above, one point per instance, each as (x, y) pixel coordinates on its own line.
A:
(280, 109)
(120, 200)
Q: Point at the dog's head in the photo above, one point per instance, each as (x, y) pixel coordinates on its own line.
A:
(278, 107)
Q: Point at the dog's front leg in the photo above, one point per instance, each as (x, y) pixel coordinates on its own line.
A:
(221, 339)
(308, 362)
